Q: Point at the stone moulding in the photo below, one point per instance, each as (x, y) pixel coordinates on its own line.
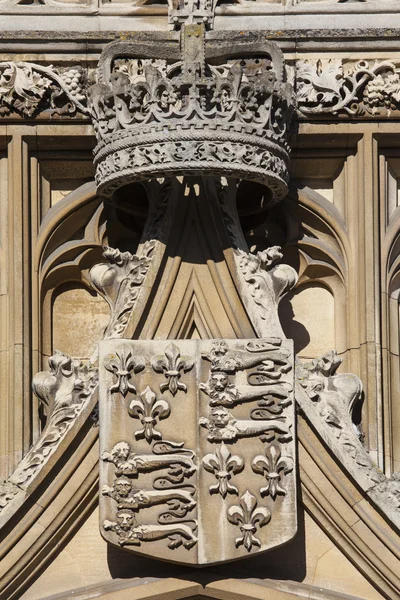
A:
(260, 8)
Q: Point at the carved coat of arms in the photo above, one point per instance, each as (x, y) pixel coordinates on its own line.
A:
(197, 447)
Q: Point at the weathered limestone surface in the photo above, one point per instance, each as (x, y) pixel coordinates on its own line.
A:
(197, 280)
(197, 447)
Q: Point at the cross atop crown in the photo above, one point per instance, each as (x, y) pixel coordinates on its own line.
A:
(191, 12)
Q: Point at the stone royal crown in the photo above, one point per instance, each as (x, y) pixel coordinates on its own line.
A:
(204, 107)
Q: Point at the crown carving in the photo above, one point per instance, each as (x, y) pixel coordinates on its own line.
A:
(185, 115)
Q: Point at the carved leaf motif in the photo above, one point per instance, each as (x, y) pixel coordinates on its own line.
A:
(326, 89)
(119, 283)
(21, 87)
(7, 492)
(24, 88)
(390, 489)
(318, 83)
(248, 517)
(265, 281)
(328, 402)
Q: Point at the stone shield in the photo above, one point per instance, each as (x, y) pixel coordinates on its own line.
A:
(197, 447)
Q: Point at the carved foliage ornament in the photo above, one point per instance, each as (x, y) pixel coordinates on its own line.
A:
(64, 393)
(333, 397)
(328, 402)
(119, 281)
(186, 459)
(364, 88)
(28, 89)
(333, 87)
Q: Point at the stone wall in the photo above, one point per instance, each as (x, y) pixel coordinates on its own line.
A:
(338, 228)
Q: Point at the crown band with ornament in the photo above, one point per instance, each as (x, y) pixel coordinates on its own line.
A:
(160, 118)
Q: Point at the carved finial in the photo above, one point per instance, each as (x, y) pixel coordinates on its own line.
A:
(191, 12)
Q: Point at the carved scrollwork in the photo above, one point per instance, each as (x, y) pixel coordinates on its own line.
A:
(28, 89)
(171, 364)
(223, 465)
(248, 517)
(365, 89)
(119, 283)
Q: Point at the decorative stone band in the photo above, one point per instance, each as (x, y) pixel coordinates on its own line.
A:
(128, 158)
(332, 87)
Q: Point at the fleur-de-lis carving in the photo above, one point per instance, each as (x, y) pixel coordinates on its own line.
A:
(273, 466)
(123, 364)
(223, 464)
(171, 364)
(149, 410)
(248, 517)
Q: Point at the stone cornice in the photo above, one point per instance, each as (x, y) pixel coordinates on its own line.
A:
(287, 8)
